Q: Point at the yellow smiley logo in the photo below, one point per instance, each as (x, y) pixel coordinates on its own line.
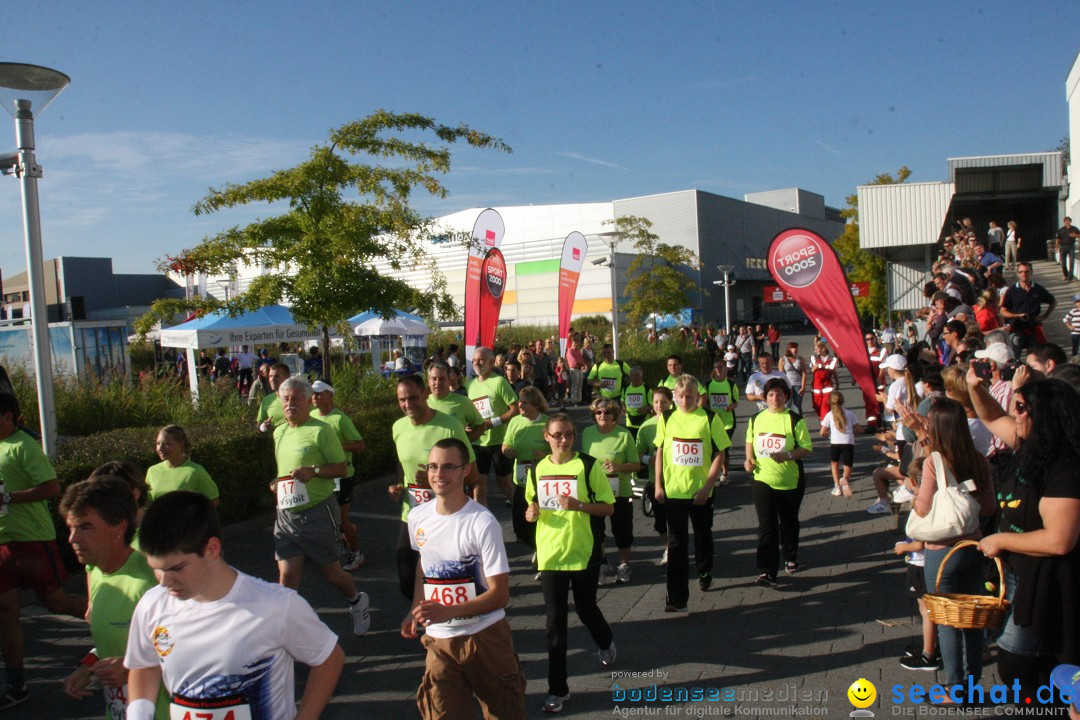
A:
(862, 693)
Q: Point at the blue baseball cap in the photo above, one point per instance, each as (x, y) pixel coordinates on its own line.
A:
(1066, 678)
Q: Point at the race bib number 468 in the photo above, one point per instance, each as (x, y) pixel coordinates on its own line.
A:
(550, 487)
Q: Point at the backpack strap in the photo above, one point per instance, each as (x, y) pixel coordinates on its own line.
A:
(588, 461)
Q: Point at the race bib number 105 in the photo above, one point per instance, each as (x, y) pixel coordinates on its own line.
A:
(768, 444)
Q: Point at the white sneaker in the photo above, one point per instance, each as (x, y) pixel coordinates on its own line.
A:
(553, 703)
(835, 491)
(355, 562)
(361, 615)
(723, 480)
(622, 574)
(879, 508)
(607, 657)
(902, 495)
(663, 560)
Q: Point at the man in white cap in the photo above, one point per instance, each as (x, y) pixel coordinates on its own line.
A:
(351, 442)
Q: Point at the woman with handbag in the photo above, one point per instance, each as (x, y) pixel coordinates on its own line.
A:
(942, 515)
(1038, 529)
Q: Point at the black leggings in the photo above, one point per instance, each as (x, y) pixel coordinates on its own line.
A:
(557, 585)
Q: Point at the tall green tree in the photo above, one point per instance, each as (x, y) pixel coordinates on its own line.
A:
(657, 284)
(863, 266)
(348, 209)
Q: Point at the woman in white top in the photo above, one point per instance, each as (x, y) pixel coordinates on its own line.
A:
(840, 425)
(1012, 246)
(794, 368)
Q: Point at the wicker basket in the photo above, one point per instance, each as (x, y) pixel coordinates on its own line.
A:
(966, 612)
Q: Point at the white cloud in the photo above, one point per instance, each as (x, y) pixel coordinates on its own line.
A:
(594, 161)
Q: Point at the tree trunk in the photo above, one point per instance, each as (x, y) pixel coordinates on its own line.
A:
(326, 355)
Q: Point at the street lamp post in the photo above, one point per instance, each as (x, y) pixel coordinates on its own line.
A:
(612, 239)
(726, 284)
(24, 91)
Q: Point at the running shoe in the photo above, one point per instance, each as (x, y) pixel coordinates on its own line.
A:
(622, 574)
(835, 491)
(922, 661)
(663, 560)
(355, 562)
(902, 495)
(879, 508)
(553, 703)
(361, 615)
(766, 580)
(723, 479)
(791, 567)
(704, 582)
(13, 696)
(673, 608)
(607, 657)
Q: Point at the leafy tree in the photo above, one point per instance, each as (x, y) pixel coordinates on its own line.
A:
(656, 284)
(865, 266)
(343, 217)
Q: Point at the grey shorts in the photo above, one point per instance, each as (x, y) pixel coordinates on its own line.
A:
(314, 533)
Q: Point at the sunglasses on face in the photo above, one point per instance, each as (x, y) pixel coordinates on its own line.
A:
(604, 412)
(558, 437)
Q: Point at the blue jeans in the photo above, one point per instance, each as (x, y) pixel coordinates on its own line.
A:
(1015, 639)
(961, 650)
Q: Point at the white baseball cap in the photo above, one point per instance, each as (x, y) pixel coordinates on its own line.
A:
(895, 362)
(1000, 353)
(320, 386)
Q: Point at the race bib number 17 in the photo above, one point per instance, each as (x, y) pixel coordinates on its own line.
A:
(291, 493)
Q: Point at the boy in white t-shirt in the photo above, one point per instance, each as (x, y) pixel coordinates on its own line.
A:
(462, 586)
(221, 641)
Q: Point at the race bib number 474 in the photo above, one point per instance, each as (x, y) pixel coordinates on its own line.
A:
(225, 708)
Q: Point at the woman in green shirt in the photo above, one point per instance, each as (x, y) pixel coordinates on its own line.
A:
(176, 471)
(566, 491)
(776, 442)
(614, 448)
(525, 443)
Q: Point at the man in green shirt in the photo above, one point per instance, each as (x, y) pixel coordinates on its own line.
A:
(100, 515)
(414, 435)
(309, 456)
(28, 553)
(351, 442)
(270, 413)
(496, 402)
(635, 399)
(675, 371)
(456, 406)
(609, 375)
(723, 397)
(689, 446)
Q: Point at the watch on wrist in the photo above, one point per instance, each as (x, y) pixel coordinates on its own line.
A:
(315, 470)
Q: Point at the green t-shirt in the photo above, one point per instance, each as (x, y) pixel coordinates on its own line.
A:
(313, 443)
(646, 445)
(24, 465)
(113, 598)
(270, 407)
(414, 443)
(670, 380)
(618, 445)
(345, 430)
(491, 397)
(689, 441)
(722, 394)
(525, 436)
(611, 376)
(777, 432)
(163, 478)
(458, 407)
(638, 403)
(564, 538)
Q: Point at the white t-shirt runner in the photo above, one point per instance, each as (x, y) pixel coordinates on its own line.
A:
(836, 435)
(234, 653)
(458, 553)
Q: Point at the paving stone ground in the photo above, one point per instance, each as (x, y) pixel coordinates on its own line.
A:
(793, 650)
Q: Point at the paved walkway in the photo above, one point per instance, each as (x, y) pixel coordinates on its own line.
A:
(844, 616)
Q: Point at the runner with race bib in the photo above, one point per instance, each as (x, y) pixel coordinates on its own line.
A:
(689, 446)
(525, 444)
(222, 643)
(723, 399)
(776, 442)
(635, 400)
(566, 492)
(462, 588)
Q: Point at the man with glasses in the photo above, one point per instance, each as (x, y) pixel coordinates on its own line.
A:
(462, 587)
(1021, 308)
(414, 435)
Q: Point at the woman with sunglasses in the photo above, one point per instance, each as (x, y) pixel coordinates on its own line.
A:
(613, 446)
(1038, 527)
(525, 443)
(566, 492)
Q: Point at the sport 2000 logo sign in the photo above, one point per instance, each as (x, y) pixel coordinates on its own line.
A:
(797, 261)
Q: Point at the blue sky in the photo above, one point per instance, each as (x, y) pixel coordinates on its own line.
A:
(599, 100)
